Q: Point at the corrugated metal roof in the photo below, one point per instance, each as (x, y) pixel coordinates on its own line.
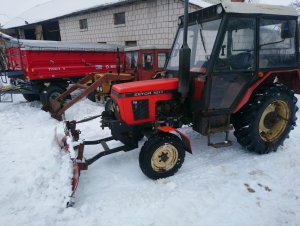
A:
(41, 45)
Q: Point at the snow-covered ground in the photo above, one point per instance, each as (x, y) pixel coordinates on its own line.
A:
(227, 186)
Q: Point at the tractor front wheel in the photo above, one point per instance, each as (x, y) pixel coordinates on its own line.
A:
(161, 156)
(266, 120)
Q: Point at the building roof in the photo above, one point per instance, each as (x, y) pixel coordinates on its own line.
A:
(60, 8)
(42, 45)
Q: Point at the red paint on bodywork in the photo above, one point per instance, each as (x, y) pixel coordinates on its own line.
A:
(60, 64)
(151, 90)
(198, 88)
(249, 92)
(184, 138)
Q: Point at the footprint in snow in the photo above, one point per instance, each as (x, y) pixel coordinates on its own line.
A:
(251, 190)
(265, 187)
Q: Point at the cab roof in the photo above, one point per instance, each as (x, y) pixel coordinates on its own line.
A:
(245, 8)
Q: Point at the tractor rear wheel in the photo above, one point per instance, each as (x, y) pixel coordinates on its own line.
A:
(266, 120)
(161, 156)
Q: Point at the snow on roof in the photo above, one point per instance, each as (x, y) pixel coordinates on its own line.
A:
(55, 8)
(41, 45)
(58, 8)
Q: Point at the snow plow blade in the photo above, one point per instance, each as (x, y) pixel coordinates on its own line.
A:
(70, 143)
(87, 85)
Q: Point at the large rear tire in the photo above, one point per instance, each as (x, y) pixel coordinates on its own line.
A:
(161, 156)
(266, 120)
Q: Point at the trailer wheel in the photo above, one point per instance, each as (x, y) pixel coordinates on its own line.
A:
(50, 92)
(161, 156)
(31, 97)
(264, 123)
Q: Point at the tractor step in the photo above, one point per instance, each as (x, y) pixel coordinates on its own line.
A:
(226, 142)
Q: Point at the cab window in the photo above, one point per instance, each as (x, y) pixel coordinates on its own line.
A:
(131, 60)
(147, 61)
(237, 50)
(161, 60)
(277, 43)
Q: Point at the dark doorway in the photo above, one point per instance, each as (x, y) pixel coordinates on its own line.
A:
(29, 34)
(51, 31)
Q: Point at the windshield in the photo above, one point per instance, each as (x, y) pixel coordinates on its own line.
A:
(201, 40)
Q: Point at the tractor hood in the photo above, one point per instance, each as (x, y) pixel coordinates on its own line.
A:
(145, 88)
(135, 102)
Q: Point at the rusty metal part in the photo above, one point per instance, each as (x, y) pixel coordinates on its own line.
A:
(59, 105)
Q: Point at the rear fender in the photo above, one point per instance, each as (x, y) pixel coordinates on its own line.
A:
(184, 138)
(289, 78)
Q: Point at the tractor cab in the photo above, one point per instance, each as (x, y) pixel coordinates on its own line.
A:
(233, 45)
(145, 61)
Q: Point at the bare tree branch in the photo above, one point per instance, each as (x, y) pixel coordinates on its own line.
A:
(296, 4)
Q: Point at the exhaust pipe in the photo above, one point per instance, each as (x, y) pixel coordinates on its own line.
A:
(184, 58)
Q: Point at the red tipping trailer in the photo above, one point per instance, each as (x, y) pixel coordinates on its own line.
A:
(34, 66)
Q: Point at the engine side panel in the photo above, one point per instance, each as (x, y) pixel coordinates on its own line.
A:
(137, 100)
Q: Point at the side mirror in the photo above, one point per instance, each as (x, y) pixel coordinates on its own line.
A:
(288, 29)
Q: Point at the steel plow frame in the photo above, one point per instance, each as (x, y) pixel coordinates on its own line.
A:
(74, 147)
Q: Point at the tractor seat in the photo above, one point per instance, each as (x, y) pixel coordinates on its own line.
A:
(241, 61)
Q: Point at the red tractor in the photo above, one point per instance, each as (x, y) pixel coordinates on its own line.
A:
(231, 65)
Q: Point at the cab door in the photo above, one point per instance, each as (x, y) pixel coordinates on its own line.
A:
(147, 68)
(235, 64)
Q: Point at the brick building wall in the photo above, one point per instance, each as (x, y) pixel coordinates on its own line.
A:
(152, 22)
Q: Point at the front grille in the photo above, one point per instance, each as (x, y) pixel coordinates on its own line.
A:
(140, 109)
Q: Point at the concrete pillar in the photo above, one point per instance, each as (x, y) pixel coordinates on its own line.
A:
(39, 32)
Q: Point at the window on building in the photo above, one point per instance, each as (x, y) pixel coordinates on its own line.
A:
(130, 43)
(119, 18)
(161, 59)
(83, 24)
(102, 42)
